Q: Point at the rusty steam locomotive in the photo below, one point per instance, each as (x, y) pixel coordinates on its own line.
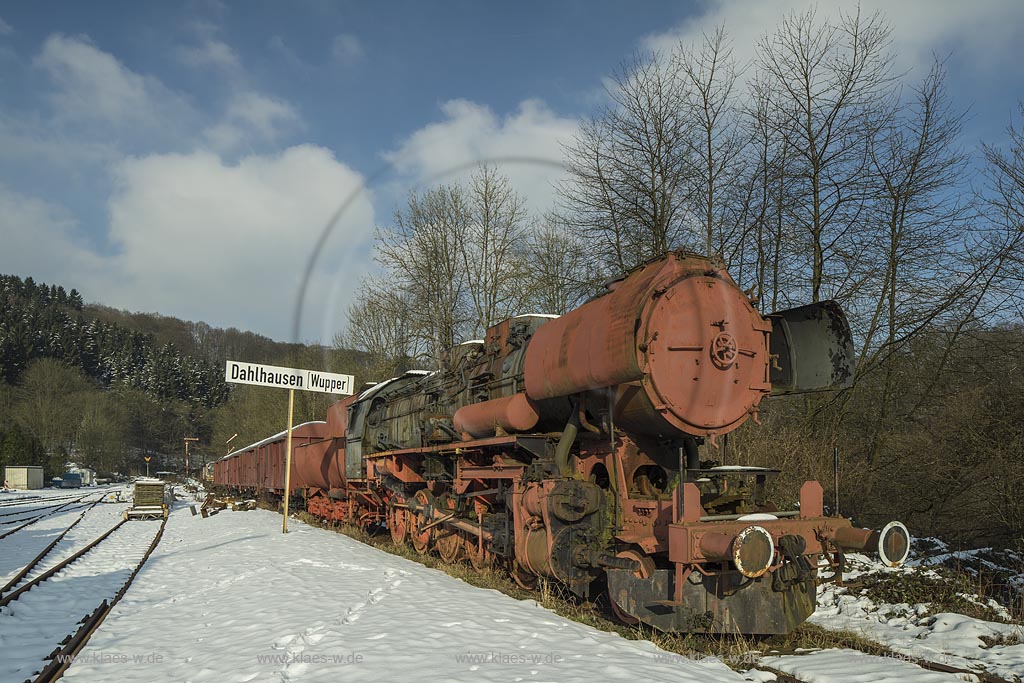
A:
(567, 448)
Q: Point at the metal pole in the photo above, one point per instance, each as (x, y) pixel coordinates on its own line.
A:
(288, 460)
(188, 440)
(835, 474)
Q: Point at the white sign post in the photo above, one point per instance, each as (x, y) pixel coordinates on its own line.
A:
(239, 372)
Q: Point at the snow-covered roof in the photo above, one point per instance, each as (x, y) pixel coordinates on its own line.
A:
(275, 437)
(375, 388)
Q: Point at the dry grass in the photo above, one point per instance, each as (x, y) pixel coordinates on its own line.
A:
(943, 590)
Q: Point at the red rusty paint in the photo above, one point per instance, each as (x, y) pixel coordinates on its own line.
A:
(811, 499)
(682, 342)
(516, 413)
(337, 416)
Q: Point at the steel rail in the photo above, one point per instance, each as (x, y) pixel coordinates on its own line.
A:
(14, 502)
(11, 597)
(46, 551)
(34, 510)
(64, 656)
(36, 519)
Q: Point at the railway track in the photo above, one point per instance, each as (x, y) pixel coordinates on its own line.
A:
(29, 521)
(33, 500)
(46, 620)
(34, 512)
(35, 562)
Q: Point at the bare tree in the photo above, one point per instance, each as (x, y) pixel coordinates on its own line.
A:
(629, 168)
(767, 234)
(49, 406)
(918, 165)
(492, 249)
(562, 274)
(829, 85)
(709, 75)
(422, 252)
(1004, 208)
(379, 324)
(917, 252)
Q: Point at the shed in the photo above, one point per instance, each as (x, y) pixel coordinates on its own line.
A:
(24, 477)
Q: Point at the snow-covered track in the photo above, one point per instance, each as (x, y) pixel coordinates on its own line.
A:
(7, 598)
(33, 520)
(22, 501)
(45, 621)
(46, 551)
(30, 511)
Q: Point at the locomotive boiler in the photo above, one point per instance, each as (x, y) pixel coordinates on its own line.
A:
(566, 448)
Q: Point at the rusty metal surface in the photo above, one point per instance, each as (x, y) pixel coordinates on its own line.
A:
(813, 346)
(681, 328)
(726, 603)
(310, 466)
(515, 413)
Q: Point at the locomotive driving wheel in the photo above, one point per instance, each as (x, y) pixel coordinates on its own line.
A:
(398, 524)
(420, 536)
(449, 544)
(479, 557)
(523, 578)
(447, 541)
(364, 520)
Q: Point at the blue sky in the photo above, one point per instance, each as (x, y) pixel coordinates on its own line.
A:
(185, 158)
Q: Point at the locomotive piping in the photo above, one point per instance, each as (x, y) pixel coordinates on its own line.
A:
(568, 437)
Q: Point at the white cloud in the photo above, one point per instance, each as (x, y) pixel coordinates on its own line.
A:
(526, 145)
(228, 244)
(251, 117)
(202, 234)
(346, 49)
(39, 240)
(29, 143)
(5, 28)
(92, 85)
(984, 35)
(286, 54)
(201, 239)
(210, 53)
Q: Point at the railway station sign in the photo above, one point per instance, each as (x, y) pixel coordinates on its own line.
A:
(240, 372)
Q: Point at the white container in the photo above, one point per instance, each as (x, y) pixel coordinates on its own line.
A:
(24, 477)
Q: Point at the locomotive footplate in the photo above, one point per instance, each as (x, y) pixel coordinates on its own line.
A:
(719, 603)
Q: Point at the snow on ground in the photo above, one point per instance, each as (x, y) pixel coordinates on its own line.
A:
(32, 626)
(20, 548)
(947, 638)
(230, 598)
(851, 666)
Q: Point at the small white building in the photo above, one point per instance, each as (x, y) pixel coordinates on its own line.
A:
(23, 477)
